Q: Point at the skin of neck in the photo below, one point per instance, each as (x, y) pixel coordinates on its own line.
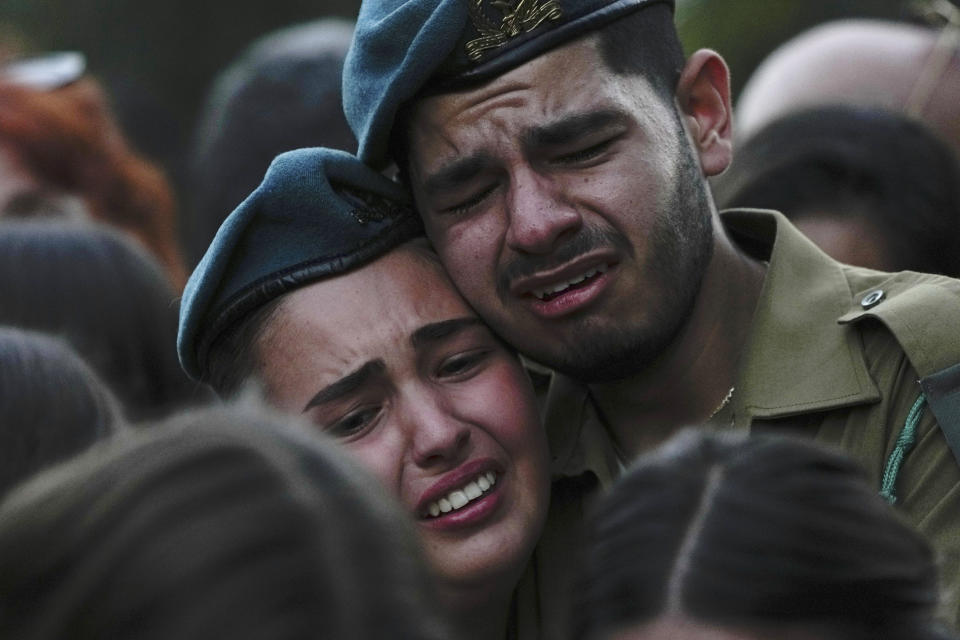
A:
(693, 375)
(478, 614)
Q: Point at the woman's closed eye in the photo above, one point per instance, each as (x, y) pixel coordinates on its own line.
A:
(462, 365)
(354, 423)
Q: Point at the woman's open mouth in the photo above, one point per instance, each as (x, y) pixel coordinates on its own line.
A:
(462, 496)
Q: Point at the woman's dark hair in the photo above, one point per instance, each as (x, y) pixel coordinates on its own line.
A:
(222, 523)
(52, 405)
(233, 359)
(767, 531)
(107, 298)
(854, 163)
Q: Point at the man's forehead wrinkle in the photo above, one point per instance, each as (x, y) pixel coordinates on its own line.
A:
(477, 102)
(482, 130)
(448, 112)
(448, 138)
(569, 126)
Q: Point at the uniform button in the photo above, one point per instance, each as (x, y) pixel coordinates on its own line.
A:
(872, 299)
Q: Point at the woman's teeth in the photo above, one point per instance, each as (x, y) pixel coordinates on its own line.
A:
(459, 498)
(563, 286)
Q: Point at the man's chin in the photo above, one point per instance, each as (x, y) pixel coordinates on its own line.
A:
(603, 370)
(593, 361)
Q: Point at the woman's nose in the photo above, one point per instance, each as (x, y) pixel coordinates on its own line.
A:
(438, 436)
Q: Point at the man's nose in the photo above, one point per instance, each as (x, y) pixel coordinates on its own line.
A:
(438, 436)
(539, 214)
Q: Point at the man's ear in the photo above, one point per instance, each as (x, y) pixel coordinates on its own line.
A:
(703, 96)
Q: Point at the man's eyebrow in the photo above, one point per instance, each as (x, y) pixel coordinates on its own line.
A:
(439, 330)
(571, 127)
(455, 173)
(347, 384)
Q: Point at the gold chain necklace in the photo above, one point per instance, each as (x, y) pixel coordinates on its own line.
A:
(723, 403)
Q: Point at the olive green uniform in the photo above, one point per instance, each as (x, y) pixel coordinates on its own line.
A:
(834, 348)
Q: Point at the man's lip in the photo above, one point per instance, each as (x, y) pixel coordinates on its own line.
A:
(454, 480)
(526, 286)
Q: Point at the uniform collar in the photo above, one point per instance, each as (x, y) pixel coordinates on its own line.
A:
(579, 440)
(798, 359)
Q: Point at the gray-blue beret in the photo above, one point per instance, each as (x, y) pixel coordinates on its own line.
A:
(317, 213)
(402, 46)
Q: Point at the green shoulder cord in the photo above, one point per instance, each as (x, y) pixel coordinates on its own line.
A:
(904, 443)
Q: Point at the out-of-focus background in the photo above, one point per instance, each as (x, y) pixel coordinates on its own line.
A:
(157, 59)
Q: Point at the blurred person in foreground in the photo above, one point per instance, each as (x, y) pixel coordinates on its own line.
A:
(320, 287)
(558, 153)
(52, 405)
(225, 523)
(281, 93)
(870, 187)
(729, 537)
(905, 68)
(62, 153)
(101, 292)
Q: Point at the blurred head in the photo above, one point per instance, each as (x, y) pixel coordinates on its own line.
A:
(867, 63)
(107, 298)
(870, 187)
(752, 538)
(224, 523)
(52, 406)
(281, 93)
(62, 153)
(355, 326)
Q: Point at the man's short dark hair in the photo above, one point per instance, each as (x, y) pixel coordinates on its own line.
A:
(645, 43)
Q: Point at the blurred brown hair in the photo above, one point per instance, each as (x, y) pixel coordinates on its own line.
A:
(70, 140)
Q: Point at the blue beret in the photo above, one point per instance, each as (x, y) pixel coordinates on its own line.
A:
(317, 213)
(402, 46)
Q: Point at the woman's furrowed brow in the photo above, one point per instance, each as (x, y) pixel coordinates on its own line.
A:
(431, 333)
(347, 384)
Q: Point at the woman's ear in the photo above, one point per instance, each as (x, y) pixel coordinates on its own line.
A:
(703, 96)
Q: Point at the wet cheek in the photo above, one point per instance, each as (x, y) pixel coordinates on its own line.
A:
(384, 462)
(510, 408)
(473, 239)
(469, 264)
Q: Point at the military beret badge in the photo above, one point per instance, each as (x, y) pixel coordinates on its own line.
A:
(520, 16)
